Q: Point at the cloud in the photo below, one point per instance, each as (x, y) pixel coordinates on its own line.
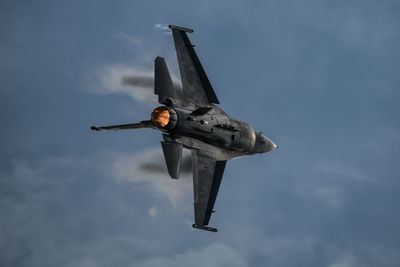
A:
(153, 211)
(145, 81)
(158, 166)
(276, 250)
(124, 37)
(144, 51)
(330, 181)
(342, 170)
(218, 254)
(383, 141)
(128, 80)
(66, 211)
(328, 194)
(72, 212)
(148, 168)
(345, 261)
(135, 80)
(161, 26)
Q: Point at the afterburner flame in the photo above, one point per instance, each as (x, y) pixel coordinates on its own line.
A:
(160, 116)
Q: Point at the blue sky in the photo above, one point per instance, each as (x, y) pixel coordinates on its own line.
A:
(320, 78)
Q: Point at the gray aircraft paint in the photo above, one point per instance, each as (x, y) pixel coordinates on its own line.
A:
(196, 123)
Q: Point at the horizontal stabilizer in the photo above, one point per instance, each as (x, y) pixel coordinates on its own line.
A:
(140, 125)
(173, 158)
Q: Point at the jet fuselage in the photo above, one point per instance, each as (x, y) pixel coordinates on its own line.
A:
(213, 126)
(190, 118)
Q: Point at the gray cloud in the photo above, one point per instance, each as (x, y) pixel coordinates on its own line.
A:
(135, 80)
(128, 80)
(146, 81)
(48, 217)
(138, 81)
(157, 165)
(161, 26)
(342, 170)
(329, 181)
(323, 74)
(218, 254)
(148, 168)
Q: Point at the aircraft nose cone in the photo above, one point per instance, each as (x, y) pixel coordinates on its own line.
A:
(269, 144)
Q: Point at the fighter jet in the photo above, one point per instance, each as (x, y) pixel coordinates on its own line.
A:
(191, 119)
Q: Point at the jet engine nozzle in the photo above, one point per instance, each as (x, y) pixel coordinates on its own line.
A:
(164, 117)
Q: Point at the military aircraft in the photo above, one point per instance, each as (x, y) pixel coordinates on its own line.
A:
(191, 119)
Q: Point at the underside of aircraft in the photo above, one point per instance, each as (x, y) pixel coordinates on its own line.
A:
(191, 119)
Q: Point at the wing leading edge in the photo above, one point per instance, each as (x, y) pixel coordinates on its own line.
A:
(207, 176)
(197, 88)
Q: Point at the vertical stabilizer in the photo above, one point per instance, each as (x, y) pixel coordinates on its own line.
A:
(163, 86)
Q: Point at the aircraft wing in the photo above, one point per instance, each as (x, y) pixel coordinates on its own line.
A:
(196, 86)
(207, 176)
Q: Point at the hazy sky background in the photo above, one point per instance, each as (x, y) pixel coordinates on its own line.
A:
(320, 78)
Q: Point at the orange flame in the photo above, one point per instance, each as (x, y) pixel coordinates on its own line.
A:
(160, 116)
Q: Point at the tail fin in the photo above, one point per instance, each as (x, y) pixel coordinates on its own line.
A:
(173, 158)
(163, 86)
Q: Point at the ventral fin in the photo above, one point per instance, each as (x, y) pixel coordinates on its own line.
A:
(173, 158)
